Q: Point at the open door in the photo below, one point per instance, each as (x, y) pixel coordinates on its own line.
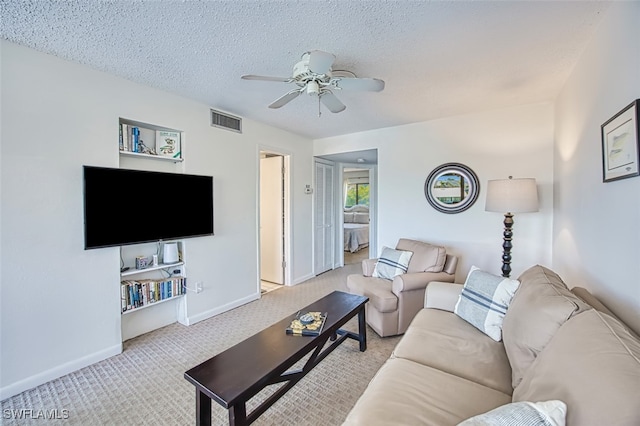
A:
(272, 200)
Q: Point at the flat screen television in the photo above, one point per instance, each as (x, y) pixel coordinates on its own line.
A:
(123, 206)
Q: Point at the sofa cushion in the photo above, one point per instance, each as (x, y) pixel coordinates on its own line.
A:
(442, 340)
(484, 301)
(407, 393)
(591, 300)
(593, 365)
(378, 290)
(426, 257)
(540, 306)
(544, 413)
(391, 263)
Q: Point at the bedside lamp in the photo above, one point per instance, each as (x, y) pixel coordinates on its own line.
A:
(511, 196)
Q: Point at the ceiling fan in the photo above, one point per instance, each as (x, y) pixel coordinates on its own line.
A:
(313, 74)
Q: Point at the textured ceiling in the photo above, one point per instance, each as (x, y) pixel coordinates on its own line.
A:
(438, 58)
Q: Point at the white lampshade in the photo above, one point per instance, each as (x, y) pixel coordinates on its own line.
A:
(512, 195)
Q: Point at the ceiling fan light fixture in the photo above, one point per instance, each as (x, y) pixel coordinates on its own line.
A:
(313, 88)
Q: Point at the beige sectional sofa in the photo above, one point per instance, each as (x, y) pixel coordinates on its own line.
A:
(556, 344)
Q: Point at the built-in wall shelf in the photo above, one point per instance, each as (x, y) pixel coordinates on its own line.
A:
(132, 271)
(150, 156)
(144, 140)
(138, 309)
(154, 148)
(152, 284)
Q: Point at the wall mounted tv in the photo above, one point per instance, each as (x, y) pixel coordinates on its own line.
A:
(124, 206)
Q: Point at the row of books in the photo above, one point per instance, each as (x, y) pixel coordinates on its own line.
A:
(138, 293)
(130, 138)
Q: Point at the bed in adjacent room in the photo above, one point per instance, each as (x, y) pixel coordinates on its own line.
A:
(356, 228)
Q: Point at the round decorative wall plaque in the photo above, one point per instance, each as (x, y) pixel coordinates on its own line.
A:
(452, 188)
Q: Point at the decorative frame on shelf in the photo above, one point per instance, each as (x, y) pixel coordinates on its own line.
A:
(452, 188)
(620, 136)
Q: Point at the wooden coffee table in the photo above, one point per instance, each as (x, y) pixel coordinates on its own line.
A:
(236, 375)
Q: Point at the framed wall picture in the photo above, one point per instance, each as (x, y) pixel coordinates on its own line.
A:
(620, 144)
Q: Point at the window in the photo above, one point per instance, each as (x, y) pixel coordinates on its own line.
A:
(357, 193)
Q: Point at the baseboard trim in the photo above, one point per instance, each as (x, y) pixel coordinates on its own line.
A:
(59, 371)
(190, 320)
(303, 279)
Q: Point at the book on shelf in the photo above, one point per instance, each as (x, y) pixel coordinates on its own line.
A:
(307, 324)
(168, 144)
(125, 136)
(135, 139)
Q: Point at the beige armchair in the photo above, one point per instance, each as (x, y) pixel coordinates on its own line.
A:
(393, 303)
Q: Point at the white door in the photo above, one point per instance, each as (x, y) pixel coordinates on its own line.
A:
(272, 219)
(324, 217)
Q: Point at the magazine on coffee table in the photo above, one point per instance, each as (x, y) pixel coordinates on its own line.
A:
(307, 323)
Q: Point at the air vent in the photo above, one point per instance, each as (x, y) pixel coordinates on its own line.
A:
(226, 121)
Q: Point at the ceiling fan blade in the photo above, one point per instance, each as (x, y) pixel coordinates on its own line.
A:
(284, 99)
(320, 62)
(265, 78)
(332, 103)
(366, 84)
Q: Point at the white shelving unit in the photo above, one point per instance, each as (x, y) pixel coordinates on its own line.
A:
(148, 134)
(155, 157)
(132, 272)
(140, 320)
(148, 282)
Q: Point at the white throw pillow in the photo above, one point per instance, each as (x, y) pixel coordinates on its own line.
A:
(391, 263)
(545, 413)
(484, 301)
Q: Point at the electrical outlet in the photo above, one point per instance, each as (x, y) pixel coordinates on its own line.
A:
(198, 287)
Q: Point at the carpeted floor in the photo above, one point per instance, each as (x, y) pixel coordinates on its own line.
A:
(356, 257)
(145, 385)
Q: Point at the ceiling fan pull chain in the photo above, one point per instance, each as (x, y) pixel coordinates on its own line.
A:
(319, 110)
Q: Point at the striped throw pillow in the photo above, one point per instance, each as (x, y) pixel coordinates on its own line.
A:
(544, 413)
(391, 263)
(484, 301)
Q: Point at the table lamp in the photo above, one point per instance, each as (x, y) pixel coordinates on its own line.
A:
(511, 196)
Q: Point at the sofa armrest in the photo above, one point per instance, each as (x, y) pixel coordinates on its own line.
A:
(442, 295)
(368, 265)
(417, 281)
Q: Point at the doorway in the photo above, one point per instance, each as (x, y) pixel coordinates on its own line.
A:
(356, 198)
(365, 162)
(273, 221)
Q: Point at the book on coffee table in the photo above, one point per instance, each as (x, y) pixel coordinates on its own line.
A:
(307, 324)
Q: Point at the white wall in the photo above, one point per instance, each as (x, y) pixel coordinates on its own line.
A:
(495, 144)
(596, 229)
(60, 303)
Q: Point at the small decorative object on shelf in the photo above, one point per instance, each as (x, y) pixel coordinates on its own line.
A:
(141, 262)
(168, 144)
(307, 324)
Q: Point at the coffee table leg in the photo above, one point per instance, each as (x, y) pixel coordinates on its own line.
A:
(203, 409)
(362, 330)
(238, 415)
